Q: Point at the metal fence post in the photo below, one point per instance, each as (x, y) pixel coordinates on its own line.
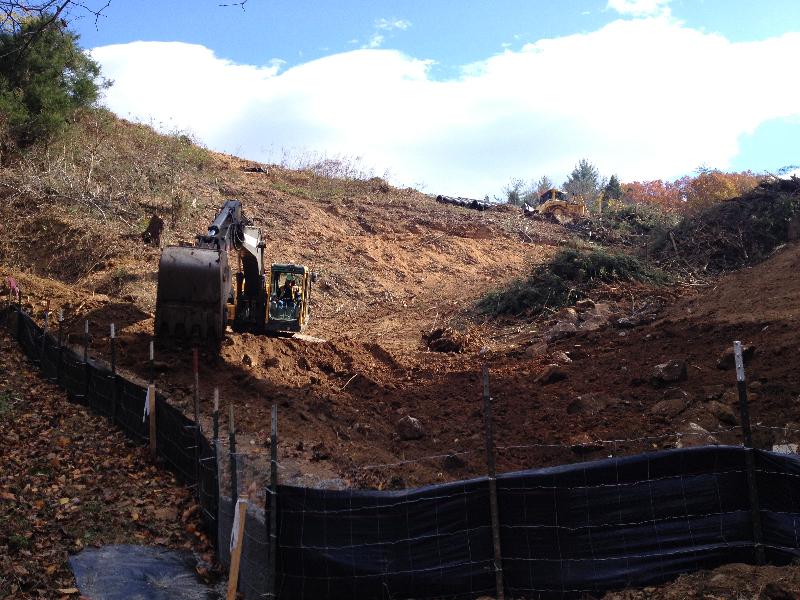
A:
(272, 499)
(490, 468)
(44, 334)
(197, 430)
(86, 361)
(232, 451)
(19, 314)
(747, 437)
(113, 374)
(60, 344)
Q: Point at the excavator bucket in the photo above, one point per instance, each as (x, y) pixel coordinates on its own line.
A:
(193, 288)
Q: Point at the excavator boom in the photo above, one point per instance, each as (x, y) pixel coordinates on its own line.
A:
(197, 297)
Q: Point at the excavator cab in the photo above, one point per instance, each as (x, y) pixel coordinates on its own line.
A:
(288, 291)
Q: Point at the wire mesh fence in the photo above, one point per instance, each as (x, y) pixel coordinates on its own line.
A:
(563, 531)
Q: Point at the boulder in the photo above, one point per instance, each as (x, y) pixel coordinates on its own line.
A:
(723, 412)
(453, 462)
(551, 374)
(560, 357)
(594, 322)
(537, 349)
(409, 428)
(590, 404)
(692, 435)
(727, 361)
(581, 444)
(669, 408)
(584, 305)
(568, 314)
(671, 371)
(560, 330)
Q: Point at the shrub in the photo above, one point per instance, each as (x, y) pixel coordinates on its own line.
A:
(566, 278)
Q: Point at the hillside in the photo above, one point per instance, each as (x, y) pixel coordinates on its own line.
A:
(568, 385)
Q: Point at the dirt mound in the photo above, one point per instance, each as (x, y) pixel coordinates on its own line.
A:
(736, 232)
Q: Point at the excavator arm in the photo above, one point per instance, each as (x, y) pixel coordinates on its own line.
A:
(194, 282)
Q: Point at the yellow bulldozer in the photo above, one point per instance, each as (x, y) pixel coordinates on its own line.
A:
(556, 205)
(197, 298)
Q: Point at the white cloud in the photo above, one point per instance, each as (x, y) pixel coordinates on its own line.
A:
(645, 98)
(375, 41)
(390, 24)
(640, 8)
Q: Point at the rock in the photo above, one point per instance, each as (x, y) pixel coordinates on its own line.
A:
(319, 451)
(594, 322)
(453, 462)
(590, 404)
(602, 309)
(247, 360)
(409, 428)
(560, 357)
(567, 315)
(713, 392)
(672, 371)
(582, 444)
(551, 374)
(723, 412)
(537, 349)
(692, 435)
(584, 304)
(560, 330)
(674, 392)
(727, 361)
(636, 320)
(784, 448)
(775, 591)
(668, 408)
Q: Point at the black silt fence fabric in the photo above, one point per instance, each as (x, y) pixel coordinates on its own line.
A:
(208, 488)
(130, 410)
(424, 543)
(565, 531)
(626, 521)
(176, 441)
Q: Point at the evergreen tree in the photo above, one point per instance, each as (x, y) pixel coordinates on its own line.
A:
(613, 189)
(543, 185)
(584, 183)
(44, 78)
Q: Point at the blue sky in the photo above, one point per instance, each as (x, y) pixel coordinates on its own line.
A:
(458, 97)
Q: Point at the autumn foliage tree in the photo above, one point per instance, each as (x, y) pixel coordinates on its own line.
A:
(690, 194)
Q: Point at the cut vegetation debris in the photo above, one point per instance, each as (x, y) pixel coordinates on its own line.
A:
(565, 279)
(735, 233)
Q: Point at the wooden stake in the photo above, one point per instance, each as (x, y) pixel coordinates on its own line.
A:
(151, 399)
(490, 468)
(236, 547)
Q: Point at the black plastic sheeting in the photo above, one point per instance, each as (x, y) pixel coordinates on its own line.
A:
(138, 572)
(565, 531)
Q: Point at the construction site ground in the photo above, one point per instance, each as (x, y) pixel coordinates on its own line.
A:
(393, 265)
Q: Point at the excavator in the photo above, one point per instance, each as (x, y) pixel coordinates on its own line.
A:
(198, 297)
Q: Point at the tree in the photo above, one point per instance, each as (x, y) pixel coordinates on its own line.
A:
(14, 14)
(543, 185)
(514, 191)
(584, 182)
(613, 190)
(44, 78)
